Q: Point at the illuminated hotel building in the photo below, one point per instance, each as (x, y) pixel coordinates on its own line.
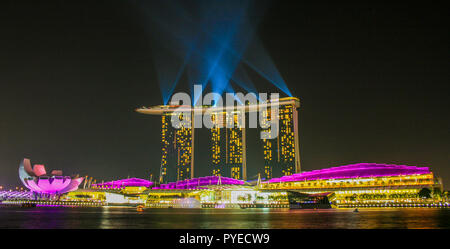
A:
(281, 157)
(228, 145)
(363, 184)
(177, 150)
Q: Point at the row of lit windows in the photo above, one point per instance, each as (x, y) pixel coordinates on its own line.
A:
(285, 143)
(179, 140)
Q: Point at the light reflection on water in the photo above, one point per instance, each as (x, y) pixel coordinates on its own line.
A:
(115, 217)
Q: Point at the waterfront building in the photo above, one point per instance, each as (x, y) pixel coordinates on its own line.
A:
(364, 184)
(124, 183)
(177, 149)
(217, 196)
(227, 145)
(107, 197)
(356, 185)
(350, 186)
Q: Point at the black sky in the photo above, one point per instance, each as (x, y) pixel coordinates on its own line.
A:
(373, 80)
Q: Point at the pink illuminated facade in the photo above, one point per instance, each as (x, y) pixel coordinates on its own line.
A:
(36, 179)
(200, 183)
(359, 170)
(130, 182)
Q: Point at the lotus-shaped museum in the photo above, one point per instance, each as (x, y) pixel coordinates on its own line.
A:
(37, 180)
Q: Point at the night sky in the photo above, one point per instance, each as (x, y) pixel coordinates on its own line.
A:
(373, 80)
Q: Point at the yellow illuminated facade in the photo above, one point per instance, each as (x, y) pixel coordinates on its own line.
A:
(177, 149)
(83, 195)
(227, 146)
(280, 153)
(388, 191)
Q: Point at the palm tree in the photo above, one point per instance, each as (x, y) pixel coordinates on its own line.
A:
(425, 193)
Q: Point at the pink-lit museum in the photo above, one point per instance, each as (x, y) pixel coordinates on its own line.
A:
(40, 182)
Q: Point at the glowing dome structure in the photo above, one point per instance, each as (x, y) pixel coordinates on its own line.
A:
(38, 181)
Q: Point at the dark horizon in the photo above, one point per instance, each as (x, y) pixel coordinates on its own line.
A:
(373, 82)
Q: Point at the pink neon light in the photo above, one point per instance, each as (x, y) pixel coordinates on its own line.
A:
(359, 170)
